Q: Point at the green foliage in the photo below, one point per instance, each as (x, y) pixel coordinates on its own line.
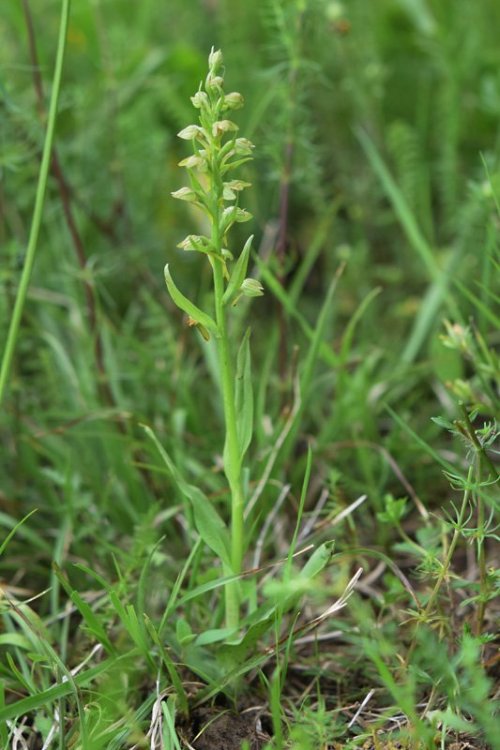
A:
(375, 206)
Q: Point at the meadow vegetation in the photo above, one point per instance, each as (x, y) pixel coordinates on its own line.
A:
(256, 506)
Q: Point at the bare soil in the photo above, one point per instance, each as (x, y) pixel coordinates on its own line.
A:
(213, 729)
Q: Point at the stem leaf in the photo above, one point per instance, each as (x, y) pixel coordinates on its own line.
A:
(244, 395)
(238, 273)
(184, 304)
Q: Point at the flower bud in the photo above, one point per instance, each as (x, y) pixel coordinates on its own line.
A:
(241, 215)
(191, 132)
(214, 58)
(232, 187)
(195, 242)
(227, 193)
(185, 194)
(214, 83)
(252, 288)
(200, 100)
(237, 185)
(233, 214)
(195, 161)
(223, 126)
(243, 146)
(233, 100)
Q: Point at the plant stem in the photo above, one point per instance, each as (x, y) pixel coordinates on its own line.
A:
(481, 560)
(445, 568)
(482, 458)
(15, 320)
(454, 541)
(232, 456)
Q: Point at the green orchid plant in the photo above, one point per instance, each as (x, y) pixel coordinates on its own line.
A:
(217, 153)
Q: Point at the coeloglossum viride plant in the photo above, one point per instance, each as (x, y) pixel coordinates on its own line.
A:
(222, 655)
(217, 152)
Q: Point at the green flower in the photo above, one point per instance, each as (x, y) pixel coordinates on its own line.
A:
(196, 242)
(252, 288)
(185, 194)
(234, 100)
(223, 126)
(191, 132)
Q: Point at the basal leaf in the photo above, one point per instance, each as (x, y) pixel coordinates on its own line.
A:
(214, 636)
(210, 525)
(233, 654)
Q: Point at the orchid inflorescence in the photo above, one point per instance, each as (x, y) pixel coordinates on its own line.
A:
(217, 151)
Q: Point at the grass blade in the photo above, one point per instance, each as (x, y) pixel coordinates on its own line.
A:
(22, 291)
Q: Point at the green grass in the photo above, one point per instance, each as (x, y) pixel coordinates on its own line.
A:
(367, 597)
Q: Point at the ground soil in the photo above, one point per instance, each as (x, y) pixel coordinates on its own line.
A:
(213, 729)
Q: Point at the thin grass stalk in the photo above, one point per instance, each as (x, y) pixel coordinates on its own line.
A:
(36, 222)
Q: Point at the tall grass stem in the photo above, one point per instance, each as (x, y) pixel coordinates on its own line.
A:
(36, 222)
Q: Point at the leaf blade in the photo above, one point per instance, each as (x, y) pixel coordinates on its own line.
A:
(238, 273)
(244, 395)
(209, 524)
(184, 304)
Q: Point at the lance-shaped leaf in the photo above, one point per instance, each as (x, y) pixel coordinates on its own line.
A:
(244, 394)
(184, 304)
(210, 525)
(238, 273)
(318, 560)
